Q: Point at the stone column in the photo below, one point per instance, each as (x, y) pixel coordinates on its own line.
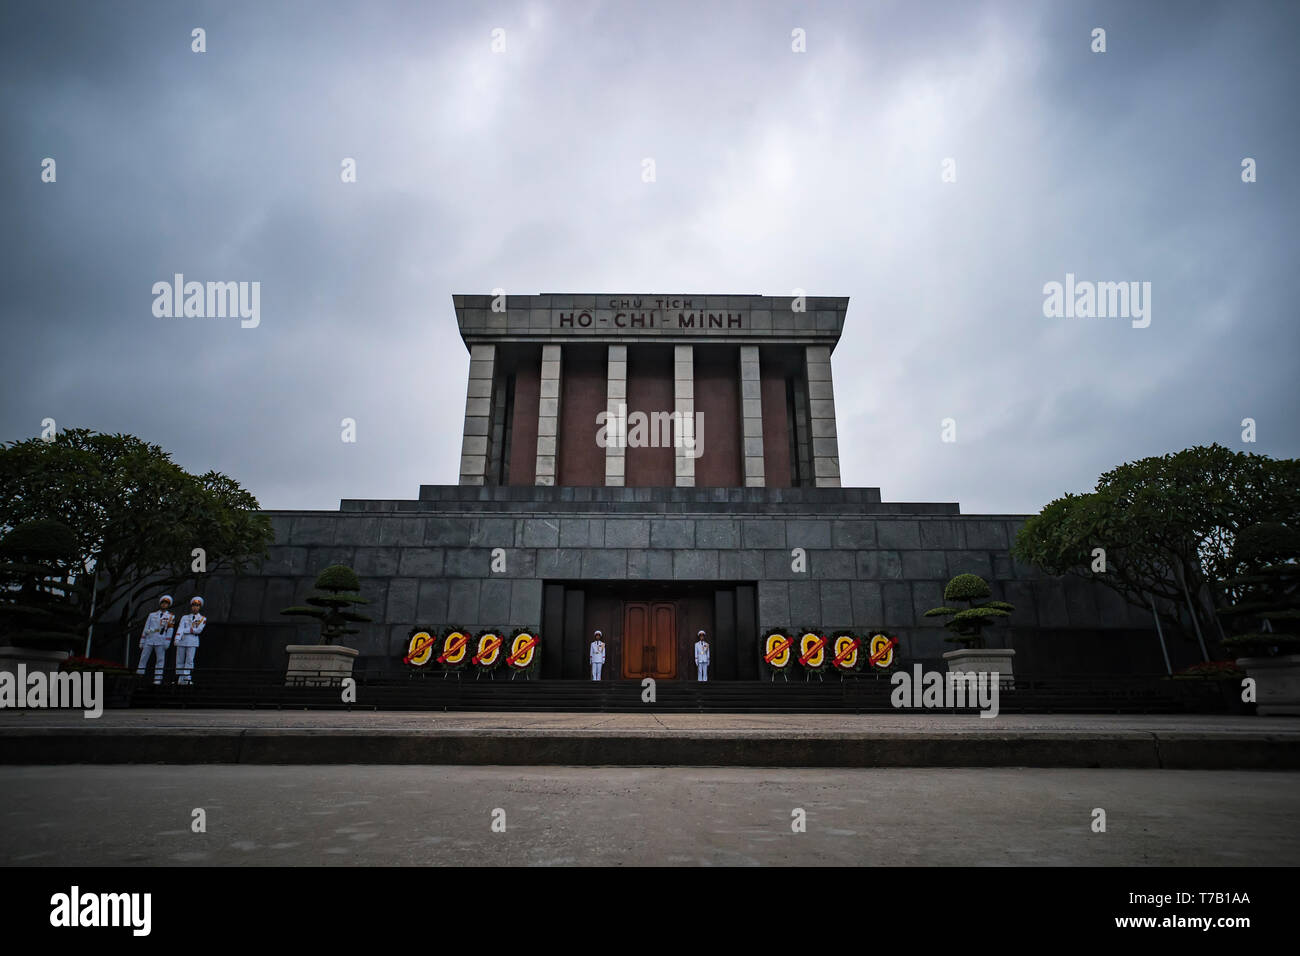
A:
(616, 423)
(478, 415)
(751, 403)
(821, 417)
(497, 436)
(548, 416)
(684, 407)
(802, 447)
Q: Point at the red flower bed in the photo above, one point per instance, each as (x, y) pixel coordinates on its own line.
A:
(1212, 669)
(78, 663)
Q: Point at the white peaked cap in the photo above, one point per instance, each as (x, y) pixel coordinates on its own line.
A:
(601, 633)
(197, 598)
(166, 597)
(698, 633)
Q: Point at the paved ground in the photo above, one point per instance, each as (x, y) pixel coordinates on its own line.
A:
(659, 724)
(344, 815)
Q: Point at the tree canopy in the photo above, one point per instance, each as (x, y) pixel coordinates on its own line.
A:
(135, 514)
(1167, 525)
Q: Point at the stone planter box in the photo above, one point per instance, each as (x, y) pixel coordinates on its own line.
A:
(990, 660)
(1277, 683)
(36, 660)
(318, 665)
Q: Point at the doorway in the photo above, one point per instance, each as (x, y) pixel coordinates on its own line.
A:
(650, 639)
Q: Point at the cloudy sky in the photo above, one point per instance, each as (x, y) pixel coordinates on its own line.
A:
(775, 170)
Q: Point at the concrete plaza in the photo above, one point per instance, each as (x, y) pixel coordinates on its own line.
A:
(672, 816)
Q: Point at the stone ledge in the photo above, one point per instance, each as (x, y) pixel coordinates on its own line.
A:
(921, 748)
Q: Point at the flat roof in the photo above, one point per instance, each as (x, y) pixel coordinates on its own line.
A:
(625, 318)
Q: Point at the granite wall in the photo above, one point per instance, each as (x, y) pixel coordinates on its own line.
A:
(869, 564)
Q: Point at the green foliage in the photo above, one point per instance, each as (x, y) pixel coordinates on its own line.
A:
(42, 540)
(135, 514)
(1262, 644)
(39, 603)
(1264, 591)
(1164, 522)
(941, 611)
(967, 624)
(337, 592)
(338, 577)
(1265, 541)
(966, 587)
(981, 615)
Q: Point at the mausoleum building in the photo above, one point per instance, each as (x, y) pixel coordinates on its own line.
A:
(653, 465)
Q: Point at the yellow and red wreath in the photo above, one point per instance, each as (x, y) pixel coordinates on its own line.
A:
(846, 651)
(487, 650)
(882, 650)
(455, 649)
(812, 650)
(778, 650)
(419, 648)
(524, 647)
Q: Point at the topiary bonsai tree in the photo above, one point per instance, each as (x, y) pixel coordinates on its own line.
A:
(968, 623)
(39, 606)
(337, 591)
(1265, 592)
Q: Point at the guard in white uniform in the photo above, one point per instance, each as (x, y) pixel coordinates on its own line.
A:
(187, 640)
(156, 638)
(702, 657)
(597, 655)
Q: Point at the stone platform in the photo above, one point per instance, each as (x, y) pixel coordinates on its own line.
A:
(551, 739)
(870, 565)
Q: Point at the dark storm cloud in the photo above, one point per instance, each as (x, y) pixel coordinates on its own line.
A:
(774, 171)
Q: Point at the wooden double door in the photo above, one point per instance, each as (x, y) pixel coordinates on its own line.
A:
(650, 639)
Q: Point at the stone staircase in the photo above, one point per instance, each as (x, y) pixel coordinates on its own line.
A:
(263, 689)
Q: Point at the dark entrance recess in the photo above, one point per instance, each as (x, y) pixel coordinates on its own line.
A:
(649, 628)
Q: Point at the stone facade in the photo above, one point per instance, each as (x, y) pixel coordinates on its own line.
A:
(870, 564)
